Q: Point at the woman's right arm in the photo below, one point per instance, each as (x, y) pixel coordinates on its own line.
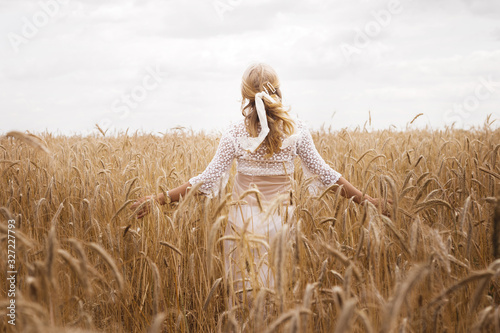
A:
(348, 191)
(313, 163)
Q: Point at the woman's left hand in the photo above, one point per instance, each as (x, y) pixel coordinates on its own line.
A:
(142, 206)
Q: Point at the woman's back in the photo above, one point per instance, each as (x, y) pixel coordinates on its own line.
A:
(234, 143)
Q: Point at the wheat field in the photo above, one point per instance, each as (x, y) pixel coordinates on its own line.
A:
(85, 264)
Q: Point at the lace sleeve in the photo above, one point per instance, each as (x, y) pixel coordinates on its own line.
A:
(216, 174)
(313, 164)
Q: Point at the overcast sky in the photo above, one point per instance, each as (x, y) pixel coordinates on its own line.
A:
(66, 65)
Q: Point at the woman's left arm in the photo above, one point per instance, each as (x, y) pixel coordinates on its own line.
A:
(174, 195)
(210, 179)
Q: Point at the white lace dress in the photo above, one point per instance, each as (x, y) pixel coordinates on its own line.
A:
(250, 228)
(232, 144)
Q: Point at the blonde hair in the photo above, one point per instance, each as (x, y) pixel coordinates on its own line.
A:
(257, 78)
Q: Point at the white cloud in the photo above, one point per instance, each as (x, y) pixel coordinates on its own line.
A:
(484, 8)
(92, 52)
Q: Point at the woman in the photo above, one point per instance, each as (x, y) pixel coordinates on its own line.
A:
(265, 144)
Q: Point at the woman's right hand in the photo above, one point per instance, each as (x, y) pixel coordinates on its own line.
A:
(379, 203)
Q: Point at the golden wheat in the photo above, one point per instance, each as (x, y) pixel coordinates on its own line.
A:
(85, 265)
